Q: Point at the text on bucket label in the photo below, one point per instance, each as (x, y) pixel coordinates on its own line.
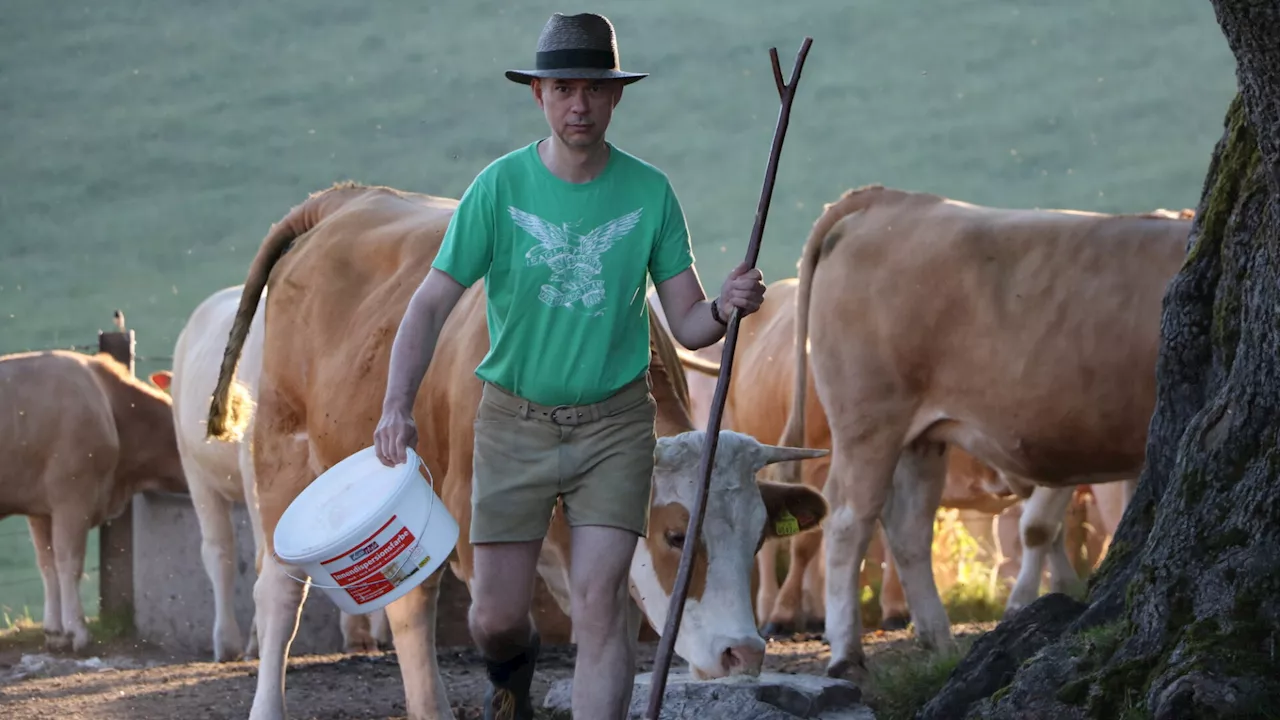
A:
(376, 566)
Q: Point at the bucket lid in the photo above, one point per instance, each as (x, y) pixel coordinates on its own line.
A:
(334, 508)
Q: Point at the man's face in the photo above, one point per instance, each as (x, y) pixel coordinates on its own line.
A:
(578, 111)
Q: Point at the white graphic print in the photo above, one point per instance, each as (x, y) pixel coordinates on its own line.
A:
(574, 259)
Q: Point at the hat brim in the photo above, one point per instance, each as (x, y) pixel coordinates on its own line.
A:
(525, 77)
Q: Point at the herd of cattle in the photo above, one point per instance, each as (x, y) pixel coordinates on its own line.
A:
(930, 353)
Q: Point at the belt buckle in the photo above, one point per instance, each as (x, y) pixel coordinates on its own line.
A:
(553, 418)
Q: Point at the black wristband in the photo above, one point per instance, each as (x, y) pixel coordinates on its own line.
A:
(715, 312)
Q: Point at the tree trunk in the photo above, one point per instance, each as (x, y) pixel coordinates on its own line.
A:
(1183, 618)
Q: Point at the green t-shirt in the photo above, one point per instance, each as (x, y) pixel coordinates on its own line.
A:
(565, 269)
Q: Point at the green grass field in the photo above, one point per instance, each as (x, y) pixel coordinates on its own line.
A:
(149, 145)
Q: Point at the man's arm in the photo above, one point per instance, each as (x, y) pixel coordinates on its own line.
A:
(464, 257)
(689, 311)
(411, 353)
(416, 339)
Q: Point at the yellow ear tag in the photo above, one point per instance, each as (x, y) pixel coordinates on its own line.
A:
(786, 524)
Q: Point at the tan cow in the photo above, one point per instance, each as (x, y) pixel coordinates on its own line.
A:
(1026, 337)
(343, 266)
(220, 474)
(759, 395)
(80, 435)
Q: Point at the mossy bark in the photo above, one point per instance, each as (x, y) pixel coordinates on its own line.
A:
(1183, 619)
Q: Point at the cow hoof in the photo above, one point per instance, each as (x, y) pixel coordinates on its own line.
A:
(365, 644)
(897, 622)
(56, 641)
(782, 628)
(80, 639)
(227, 647)
(855, 672)
(1010, 611)
(226, 653)
(816, 627)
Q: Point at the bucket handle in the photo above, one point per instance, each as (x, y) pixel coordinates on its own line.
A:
(408, 553)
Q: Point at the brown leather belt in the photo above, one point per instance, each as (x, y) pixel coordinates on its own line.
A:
(628, 396)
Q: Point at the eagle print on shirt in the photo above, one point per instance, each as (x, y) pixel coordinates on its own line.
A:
(574, 259)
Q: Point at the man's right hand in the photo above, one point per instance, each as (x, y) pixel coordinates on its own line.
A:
(396, 431)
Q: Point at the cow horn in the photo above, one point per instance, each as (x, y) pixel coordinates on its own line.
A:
(783, 453)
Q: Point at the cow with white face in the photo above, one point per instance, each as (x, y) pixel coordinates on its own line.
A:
(718, 634)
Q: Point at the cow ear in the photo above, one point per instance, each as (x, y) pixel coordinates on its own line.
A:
(672, 453)
(791, 509)
(162, 379)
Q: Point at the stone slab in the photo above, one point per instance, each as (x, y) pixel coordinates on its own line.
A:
(770, 696)
(173, 598)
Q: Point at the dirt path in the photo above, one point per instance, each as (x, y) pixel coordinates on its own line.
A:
(126, 682)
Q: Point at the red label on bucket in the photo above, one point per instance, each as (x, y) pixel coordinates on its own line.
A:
(374, 567)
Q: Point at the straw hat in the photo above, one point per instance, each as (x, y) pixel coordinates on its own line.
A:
(576, 46)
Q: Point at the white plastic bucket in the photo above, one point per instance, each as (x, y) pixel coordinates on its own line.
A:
(366, 533)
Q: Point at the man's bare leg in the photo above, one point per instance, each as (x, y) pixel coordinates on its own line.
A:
(605, 671)
(501, 623)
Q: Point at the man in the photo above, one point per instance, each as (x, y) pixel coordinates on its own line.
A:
(564, 232)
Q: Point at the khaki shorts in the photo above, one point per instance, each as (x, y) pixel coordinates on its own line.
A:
(597, 458)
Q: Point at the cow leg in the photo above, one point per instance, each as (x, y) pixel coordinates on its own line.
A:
(218, 552)
(412, 619)
(1040, 525)
(782, 619)
(356, 637)
(1010, 544)
(55, 640)
(248, 478)
(894, 613)
(857, 487)
(1111, 499)
(815, 582)
(278, 599)
(70, 533)
(767, 592)
(380, 628)
(908, 522)
(1063, 576)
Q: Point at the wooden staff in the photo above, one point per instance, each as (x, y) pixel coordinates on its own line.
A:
(666, 647)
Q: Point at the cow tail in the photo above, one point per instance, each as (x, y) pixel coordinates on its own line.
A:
(229, 409)
(793, 434)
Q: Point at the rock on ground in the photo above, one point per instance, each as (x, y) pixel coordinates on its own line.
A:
(771, 696)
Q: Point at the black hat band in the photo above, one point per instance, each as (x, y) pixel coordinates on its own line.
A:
(576, 58)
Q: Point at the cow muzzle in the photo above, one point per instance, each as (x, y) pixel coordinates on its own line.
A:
(741, 656)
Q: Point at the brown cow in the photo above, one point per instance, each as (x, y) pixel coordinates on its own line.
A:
(759, 394)
(1026, 337)
(80, 435)
(343, 266)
